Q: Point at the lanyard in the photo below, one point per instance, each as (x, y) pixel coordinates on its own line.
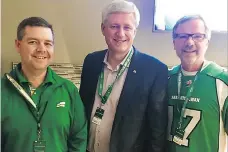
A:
(189, 93)
(38, 116)
(21, 90)
(110, 87)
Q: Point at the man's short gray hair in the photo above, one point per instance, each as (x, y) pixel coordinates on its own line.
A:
(123, 7)
(188, 18)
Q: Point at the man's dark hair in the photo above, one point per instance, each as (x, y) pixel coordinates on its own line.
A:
(32, 21)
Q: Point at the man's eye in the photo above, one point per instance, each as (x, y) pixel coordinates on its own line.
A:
(183, 36)
(113, 26)
(198, 36)
(48, 44)
(32, 42)
(127, 28)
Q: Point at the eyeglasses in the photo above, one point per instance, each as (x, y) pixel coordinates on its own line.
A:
(198, 37)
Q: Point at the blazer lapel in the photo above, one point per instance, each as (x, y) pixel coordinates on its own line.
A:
(126, 96)
(98, 66)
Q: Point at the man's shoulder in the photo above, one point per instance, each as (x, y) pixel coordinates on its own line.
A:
(62, 81)
(3, 78)
(174, 70)
(216, 71)
(7, 88)
(97, 54)
(149, 59)
(4, 81)
(94, 57)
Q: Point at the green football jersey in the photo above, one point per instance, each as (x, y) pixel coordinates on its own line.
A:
(206, 114)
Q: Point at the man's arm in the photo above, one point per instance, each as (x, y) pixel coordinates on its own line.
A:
(222, 93)
(83, 90)
(77, 140)
(225, 115)
(157, 112)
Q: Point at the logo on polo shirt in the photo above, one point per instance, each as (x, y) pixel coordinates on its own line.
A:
(61, 104)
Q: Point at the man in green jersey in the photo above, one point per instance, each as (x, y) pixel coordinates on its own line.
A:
(198, 102)
(41, 112)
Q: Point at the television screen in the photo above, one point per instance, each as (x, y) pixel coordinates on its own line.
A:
(167, 12)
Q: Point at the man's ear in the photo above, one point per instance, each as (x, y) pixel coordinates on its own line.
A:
(208, 43)
(17, 45)
(102, 28)
(135, 31)
(174, 45)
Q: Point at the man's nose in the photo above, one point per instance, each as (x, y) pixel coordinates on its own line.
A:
(121, 32)
(190, 40)
(189, 47)
(41, 47)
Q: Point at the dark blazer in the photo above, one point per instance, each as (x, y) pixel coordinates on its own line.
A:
(141, 116)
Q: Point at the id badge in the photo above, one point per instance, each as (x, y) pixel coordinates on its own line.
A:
(39, 146)
(98, 116)
(178, 137)
(96, 120)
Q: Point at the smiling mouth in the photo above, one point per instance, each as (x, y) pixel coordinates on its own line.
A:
(189, 51)
(120, 41)
(39, 57)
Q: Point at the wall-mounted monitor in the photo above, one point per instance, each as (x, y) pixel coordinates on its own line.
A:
(167, 12)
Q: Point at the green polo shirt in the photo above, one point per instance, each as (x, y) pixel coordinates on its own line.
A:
(38, 91)
(64, 125)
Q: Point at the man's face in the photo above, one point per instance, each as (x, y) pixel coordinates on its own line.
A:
(36, 48)
(119, 31)
(191, 50)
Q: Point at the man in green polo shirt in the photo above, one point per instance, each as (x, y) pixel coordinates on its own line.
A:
(40, 111)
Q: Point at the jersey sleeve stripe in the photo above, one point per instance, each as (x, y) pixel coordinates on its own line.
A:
(222, 93)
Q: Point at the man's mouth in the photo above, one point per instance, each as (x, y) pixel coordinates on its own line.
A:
(120, 41)
(40, 57)
(189, 51)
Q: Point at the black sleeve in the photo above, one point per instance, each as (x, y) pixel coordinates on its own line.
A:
(225, 115)
(82, 90)
(157, 112)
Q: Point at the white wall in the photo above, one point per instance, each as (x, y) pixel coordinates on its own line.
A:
(77, 30)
